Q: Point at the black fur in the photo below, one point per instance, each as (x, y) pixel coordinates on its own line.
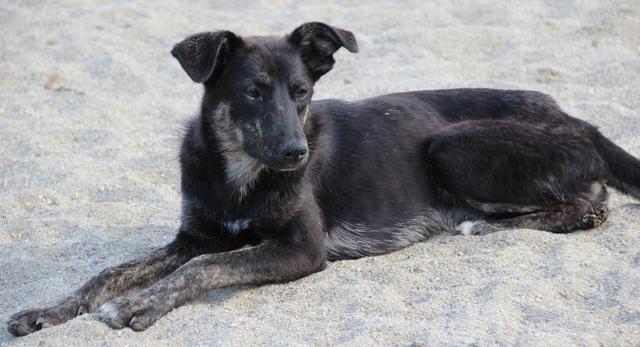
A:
(274, 185)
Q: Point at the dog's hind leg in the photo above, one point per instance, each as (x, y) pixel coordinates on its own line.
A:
(109, 283)
(520, 175)
(579, 214)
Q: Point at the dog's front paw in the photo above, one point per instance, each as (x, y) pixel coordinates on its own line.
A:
(135, 312)
(24, 322)
(27, 321)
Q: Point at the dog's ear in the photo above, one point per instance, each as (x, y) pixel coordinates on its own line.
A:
(317, 42)
(202, 55)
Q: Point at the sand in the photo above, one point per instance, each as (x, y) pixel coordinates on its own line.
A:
(92, 108)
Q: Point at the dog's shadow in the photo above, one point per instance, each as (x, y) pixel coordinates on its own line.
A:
(630, 210)
(631, 207)
(219, 296)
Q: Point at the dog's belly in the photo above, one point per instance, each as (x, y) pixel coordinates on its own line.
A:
(347, 240)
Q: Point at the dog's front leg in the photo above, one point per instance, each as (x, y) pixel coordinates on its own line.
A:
(272, 261)
(109, 283)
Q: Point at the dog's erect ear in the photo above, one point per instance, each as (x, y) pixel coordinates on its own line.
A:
(317, 42)
(202, 55)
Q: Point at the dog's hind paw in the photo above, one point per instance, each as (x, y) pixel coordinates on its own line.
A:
(141, 321)
(466, 228)
(476, 228)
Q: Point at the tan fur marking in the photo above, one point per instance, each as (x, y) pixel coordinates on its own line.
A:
(242, 169)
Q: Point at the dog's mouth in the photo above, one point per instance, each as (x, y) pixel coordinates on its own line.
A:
(282, 158)
(284, 166)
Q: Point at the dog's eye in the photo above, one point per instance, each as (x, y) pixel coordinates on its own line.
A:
(301, 93)
(253, 93)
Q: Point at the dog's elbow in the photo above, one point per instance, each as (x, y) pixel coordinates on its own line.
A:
(302, 262)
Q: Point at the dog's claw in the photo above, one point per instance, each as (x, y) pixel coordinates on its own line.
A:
(41, 323)
(137, 323)
(82, 309)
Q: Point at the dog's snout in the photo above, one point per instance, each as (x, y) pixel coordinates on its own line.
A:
(294, 152)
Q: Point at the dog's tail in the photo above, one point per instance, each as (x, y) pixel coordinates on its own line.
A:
(624, 169)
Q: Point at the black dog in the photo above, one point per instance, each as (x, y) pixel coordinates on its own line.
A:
(274, 185)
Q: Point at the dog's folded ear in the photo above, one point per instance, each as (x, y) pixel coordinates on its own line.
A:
(202, 55)
(317, 42)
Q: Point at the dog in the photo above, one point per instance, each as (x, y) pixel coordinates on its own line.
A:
(275, 185)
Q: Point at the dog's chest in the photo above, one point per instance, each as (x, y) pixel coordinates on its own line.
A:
(236, 226)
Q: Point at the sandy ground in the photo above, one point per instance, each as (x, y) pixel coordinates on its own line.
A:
(91, 111)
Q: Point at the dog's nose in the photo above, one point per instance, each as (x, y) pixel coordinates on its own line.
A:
(294, 152)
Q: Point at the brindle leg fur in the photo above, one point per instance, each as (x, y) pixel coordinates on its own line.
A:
(267, 262)
(109, 283)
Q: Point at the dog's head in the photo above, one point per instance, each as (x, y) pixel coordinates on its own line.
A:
(258, 89)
